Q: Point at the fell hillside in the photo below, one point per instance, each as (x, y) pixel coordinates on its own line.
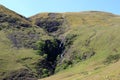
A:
(18, 54)
(91, 43)
(59, 46)
(10, 18)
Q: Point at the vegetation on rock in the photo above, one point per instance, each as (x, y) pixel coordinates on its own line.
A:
(73, 45)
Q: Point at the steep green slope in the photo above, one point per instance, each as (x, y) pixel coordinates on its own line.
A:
(73, 46)
(91, 41)
(104, 64)
(18, 38)
(10, 18)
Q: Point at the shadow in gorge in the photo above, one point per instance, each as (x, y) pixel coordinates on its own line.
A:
(52, 49)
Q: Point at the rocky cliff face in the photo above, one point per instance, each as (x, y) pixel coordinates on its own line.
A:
(50, 22)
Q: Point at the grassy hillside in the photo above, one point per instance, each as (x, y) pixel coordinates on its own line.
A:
(9, 13)
(12, 59)
(103, 65)
(92, 47)
(72, 46)
(18, 54)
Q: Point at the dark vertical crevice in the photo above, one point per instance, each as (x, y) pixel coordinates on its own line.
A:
(52, 49)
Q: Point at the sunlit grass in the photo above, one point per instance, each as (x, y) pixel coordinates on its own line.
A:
(104, 42)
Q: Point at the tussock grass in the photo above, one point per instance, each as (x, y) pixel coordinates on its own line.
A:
(98, 32)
